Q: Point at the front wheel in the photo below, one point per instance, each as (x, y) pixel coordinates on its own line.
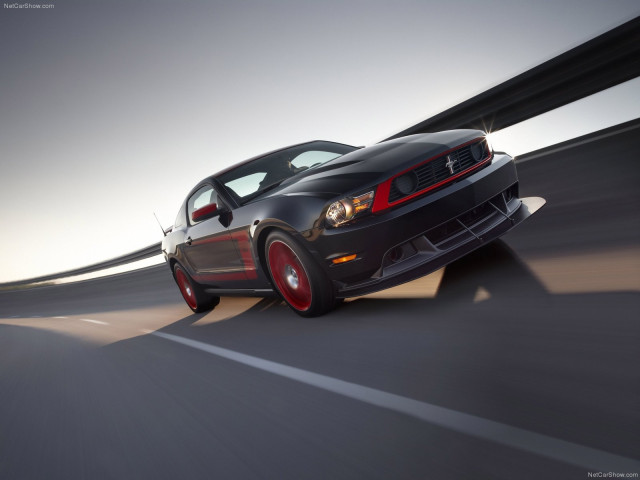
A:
(297, 277)
(197, 299)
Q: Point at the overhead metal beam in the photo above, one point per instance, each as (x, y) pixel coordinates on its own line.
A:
(600, 63)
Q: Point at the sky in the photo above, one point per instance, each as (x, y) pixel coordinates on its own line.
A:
(112, 110)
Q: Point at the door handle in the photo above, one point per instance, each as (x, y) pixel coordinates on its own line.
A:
(188, 241)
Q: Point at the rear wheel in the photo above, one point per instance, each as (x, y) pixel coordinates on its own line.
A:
(297, 277)
(197, 299)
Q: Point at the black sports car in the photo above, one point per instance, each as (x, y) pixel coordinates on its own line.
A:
(322, 221)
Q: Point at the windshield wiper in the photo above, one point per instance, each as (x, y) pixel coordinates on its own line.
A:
(271, 186)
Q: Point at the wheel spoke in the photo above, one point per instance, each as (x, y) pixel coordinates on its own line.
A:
(289, 275)
(186, 289)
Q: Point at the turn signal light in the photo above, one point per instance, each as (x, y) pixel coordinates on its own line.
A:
(346, 258)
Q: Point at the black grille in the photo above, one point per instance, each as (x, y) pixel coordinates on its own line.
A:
(440, 169)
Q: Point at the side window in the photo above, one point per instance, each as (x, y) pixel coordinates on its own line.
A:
(205, 195)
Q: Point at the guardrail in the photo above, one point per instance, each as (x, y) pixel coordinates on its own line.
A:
(600, 63)
(141, 254)
(581, 140)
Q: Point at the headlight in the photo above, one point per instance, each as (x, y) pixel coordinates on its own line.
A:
(348, 208)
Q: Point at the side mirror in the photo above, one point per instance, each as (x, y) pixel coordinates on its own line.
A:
(202, 213)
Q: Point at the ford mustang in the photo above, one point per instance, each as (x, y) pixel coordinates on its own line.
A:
(320, 221)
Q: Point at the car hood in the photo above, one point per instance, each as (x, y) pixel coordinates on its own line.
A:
(370, 166)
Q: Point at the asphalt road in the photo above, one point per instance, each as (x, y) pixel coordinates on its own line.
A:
(519, 361)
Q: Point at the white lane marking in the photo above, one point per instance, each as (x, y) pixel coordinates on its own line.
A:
(501, 433)
(59, 317)
(35, 316)
(97, 322)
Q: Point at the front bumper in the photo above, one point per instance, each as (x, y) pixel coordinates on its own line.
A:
(424, 235)
(427, 258)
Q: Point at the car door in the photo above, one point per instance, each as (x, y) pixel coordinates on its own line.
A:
(208, 247)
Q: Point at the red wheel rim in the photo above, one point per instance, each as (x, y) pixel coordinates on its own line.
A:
(186, 289)
(290, 276)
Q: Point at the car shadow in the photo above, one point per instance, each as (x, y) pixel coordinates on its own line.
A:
(493, 272)
(492, 277)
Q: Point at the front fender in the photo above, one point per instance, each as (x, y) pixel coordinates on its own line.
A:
(299, 215)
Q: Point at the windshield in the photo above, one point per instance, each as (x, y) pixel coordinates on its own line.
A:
(252, 179)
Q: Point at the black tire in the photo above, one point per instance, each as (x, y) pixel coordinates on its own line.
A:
(296, 276)
(194, 296)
